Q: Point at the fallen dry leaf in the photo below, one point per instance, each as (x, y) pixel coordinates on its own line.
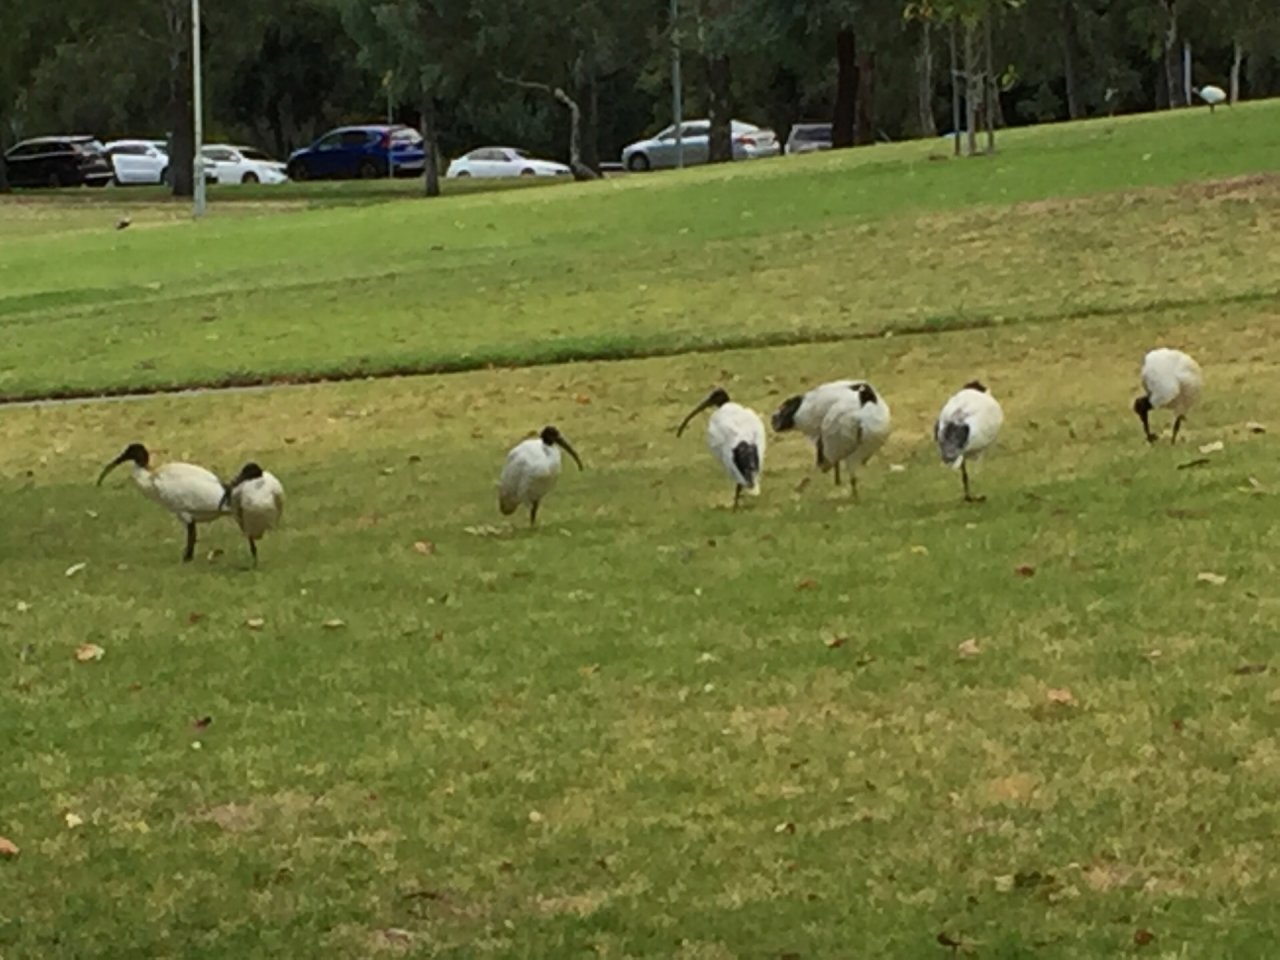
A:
(897, 468)
(835, 642)
(808, 583)
(75, 568)
(1214, 447)
(969, 648)
(255, 623)
(8, 848)
(73, 820)
(1004, 883)
(87, 652)
(334, 624)
(1025, 570)
(425, 547)
(1250, 668)
(22, 606)
(921, 549)
(1142, 936)
(583, 399)
(193, 618)
(202, 723)
(1254, 427)
(590, 670)
(1061, 695)
(1216, 579)
(535, 816)
(785, 827)
(1199, 462)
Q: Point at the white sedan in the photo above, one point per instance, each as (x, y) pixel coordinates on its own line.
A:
(137, 161)
(504, 162)
(749, 143)
(243, 164)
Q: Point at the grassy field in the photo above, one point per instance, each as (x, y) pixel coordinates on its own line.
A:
(654, 727)
(784, 251)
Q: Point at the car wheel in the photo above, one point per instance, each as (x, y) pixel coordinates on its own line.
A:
(299, 171)
(249, 178)
(368, 170)
(526, 172)
(100, 182)
(463, 173)
(638, 163)
(164, 176)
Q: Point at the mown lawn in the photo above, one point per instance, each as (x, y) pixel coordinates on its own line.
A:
(889, 238)
(653, 727)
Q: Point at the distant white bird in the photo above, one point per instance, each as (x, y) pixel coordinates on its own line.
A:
(1170, 379)
(1212, 95)
(735, 435)
(531, 471)
(123, 223)
(806, 411)
(190, 493)
(256, 499)
(966, 427)
(855, 427)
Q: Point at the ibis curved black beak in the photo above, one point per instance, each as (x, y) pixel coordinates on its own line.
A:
(226, 496)
(568, 448)
(109, 467)
(693, 413)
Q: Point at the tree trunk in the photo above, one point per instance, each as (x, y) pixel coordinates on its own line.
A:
(580, 170)
(971, 89)
(1237, 58)
(587, 94)
(1070, 76)
(864, 123)
(1186, 72)
(924, 82)
(720, 103)
(1171, 66)
(955, 90)
(842, 120)
(989, 92)
(431, 145)
(4, 145)
(182, 137)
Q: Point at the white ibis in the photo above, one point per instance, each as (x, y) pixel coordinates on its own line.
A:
(1170, 379)
(806, 411)
(735, 435)
(531, 471)
(966, 427)
(256, 499)
(855, 427)
(190, 493)
(1212, 95)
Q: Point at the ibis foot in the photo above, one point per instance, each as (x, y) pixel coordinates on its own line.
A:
(1177, 425)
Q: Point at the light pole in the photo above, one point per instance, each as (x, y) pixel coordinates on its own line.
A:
(677, 98)
(198, 106)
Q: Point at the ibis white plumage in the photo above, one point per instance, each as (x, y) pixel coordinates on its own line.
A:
(191, 493)
(805, 412)
(1170, 380)
(735, 435)
(531, 471)
(855, 427)
(966, 428)
(1212, 95)
(256, 499)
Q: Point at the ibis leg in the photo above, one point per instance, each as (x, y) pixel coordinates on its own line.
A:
(190, 552)
(1177, 424)
(533, 513)
(964, 475)
(737, 495)
(837, 474)
(853, 485)
(253, 549)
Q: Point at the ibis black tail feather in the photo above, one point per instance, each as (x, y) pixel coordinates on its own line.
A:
(747, 460)
(952, 439)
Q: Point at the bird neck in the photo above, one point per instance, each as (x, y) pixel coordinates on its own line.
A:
(142, 476)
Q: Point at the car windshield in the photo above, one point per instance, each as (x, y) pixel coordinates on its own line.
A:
(405, 135)
(813, 133)
(522, 153)
(249, 153)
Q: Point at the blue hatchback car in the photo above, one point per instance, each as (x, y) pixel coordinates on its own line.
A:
(373, 150)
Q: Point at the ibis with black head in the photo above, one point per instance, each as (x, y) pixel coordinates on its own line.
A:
(256, 499)
(531, 471)
(735, 435)
(1171, 380)
(855, 428)
(806, 411)
(192, 494)
(966, 428)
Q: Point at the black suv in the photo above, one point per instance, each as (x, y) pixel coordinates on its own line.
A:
(58, 162)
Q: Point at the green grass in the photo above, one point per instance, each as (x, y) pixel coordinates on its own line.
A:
(652, 675)
(889, 238)
(654, 727)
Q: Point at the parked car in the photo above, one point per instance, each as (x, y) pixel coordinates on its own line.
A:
(808, 137)
(58, 162)
(366, 152)
(504, 162)
(146, 161)
(243, 164)
(749, 143)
